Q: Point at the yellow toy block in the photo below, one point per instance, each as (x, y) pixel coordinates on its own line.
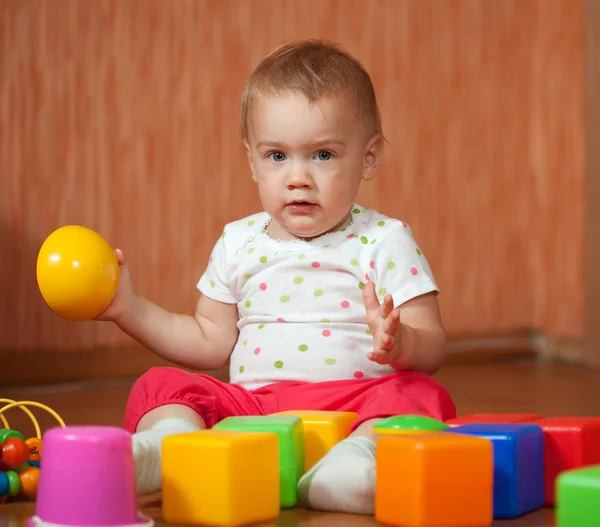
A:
(322, 431)
(439, 479)
(220, 478)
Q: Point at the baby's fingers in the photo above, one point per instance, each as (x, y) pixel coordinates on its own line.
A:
(391, 323)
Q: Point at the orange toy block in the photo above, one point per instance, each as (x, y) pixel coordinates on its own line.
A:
(436, 479)
(322, 431)
(493, 418)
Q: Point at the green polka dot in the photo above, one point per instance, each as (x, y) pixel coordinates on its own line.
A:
(368, 332)
(260, 326)
(373, 241)
(419, 252)
(278, 364)
(303, 347)
(356, 211)
(383, 291)
(330, 362)
(391, 265)
(251, 250)
(301, 256)
(298, 280)
(326, 246)
(251, 222)
(319, 292)
(343, 229)
(212, 283)
(263, 259)
(248, 303)
(284, 299)
(248, 275)
(361, 285)
(354, 261)
(325, 320)
(245, 341)
(241, 369)
(224, 234)
(364, 240)
(381, 223)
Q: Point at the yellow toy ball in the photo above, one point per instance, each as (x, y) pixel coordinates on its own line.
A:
(77, 273)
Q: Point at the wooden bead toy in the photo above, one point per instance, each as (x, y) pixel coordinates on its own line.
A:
(20, 458)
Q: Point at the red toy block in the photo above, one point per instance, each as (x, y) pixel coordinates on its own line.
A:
(493, 418)
(569, 443)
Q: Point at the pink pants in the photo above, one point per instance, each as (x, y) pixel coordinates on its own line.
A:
(213, 400)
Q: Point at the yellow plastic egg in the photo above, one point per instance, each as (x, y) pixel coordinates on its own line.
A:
(77, 273)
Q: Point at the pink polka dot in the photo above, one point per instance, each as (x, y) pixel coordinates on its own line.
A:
(350, 235)
(326, 333)
(372, 264)
(358, 374)
(345, 304)
(241, 316)
(280, 319)
(210, 260)
(316, 264)
(405, 224)
(234, 267)
(351, 344)
(256, 351)
(263, 286)
(367, 277)
(413, 271)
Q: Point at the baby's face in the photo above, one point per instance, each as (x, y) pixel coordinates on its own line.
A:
(308, 161)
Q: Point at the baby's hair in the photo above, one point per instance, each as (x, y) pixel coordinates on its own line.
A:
(316, 69)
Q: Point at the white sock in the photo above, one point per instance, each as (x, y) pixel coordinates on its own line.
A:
(147, 452)
(343, 480)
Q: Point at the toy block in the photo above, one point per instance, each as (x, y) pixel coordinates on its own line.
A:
(408, 424)
(578, 497)
(437, 479)
(220, 478)
(569, 443)
(518, 465)
(493, 418)
(290, 433)
(322, 431)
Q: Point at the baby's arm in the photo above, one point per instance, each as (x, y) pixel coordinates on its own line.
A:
(203, 341)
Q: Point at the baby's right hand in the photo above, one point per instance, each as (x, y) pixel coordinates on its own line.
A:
(124, 295)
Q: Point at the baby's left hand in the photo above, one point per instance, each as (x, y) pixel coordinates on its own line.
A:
(384, 322)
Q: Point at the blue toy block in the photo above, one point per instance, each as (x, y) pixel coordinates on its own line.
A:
(518, 465)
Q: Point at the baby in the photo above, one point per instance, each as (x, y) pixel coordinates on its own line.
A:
(317, 302)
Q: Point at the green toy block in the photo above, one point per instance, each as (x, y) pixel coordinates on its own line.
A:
(290, 431)
(578, 497)
(406, 424)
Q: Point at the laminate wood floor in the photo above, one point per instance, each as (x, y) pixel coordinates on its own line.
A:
(509, 385)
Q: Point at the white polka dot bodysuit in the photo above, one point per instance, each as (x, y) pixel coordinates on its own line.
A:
(300, 303)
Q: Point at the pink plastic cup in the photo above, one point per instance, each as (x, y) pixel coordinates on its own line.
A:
(87, 479)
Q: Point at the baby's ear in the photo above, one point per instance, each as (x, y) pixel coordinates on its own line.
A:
(373, 154)
(249, 156)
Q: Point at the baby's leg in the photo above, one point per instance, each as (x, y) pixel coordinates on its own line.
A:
(168, 401)
(344, 479)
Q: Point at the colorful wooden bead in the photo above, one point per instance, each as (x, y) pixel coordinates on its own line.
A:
(14, 453)
(14, 484)
(35, 448)
(29, 481)
(3, 484)
(5, 434)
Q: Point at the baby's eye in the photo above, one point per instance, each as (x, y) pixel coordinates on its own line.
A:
(278, 157)
(324, 155)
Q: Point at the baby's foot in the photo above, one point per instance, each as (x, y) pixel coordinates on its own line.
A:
(343, 480)
(147, 453)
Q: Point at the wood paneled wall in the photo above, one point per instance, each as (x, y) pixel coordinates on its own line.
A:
(122, 115)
